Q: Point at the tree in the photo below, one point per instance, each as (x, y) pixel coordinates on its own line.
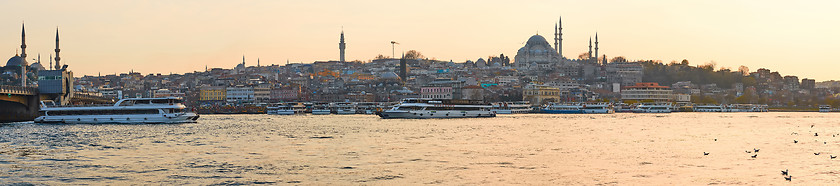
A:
(413, 54)
(744, 70)
(684, 62)
(584, 55)
(619, 59)
(380, 56)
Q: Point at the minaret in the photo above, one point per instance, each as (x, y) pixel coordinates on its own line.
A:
(51, 62)
(596, 46)
(556, 39)
(590, 48)
(243, 60)
(23, 41)
(23, 55)
(57, 50)
(258, 62)
(341, 46)
(559, 37)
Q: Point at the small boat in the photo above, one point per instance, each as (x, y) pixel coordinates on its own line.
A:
(125, 111)
(418, 108)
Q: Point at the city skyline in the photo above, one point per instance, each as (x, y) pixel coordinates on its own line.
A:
(184, 36)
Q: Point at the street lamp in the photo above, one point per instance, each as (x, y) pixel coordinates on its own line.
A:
(393, 54)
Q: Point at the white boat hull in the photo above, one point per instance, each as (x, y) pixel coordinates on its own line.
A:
(598, 111)
(427, 114)
(320, 112)
(281, 112)
(120, 119)
(346, 111)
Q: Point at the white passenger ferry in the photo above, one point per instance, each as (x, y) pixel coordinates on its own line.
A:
(709, 108)
(127, 111)
(598, 108)
(321, 109)
(344, 108)
(512, 107)
(562, 108)
(414, 108)
(285, 109)
(825, 108)
(654, 108)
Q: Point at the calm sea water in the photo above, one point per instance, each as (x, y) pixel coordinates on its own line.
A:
(534, 149)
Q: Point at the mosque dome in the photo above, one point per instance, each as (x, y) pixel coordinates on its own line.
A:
(37, 66)
(16, 61)
(537, 40)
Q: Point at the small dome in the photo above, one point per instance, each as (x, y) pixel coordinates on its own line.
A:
(16, 61)
(37, 66)
(537, 40)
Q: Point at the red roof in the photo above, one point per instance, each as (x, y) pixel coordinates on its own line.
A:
(646, 85)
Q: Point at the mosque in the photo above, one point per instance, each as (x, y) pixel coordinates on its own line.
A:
(538, 54)
(19, 72)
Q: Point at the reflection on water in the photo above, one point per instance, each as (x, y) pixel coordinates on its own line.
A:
(362, 149)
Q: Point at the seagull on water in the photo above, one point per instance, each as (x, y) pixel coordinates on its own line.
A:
(794, 141)
(756, 150)
(788, 178)
(785, 172)
(748, 151)
(817, 153)
(815, 134)
(753, 156)
(705, 153)
(832, 156)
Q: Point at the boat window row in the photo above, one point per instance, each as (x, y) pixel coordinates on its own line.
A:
(102, 112)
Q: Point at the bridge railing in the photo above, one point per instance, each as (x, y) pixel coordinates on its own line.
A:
(18, 90)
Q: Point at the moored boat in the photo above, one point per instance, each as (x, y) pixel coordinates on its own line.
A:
(126, 111)
(415, 108)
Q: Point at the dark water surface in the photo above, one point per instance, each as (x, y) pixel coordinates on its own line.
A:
(363, 149)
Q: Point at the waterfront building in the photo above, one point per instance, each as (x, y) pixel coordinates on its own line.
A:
(646, 92)
(436, 92)
(262, 93)
(538, 94)
(212, 93)
(240, 93)
(286, 93)
(472, 92)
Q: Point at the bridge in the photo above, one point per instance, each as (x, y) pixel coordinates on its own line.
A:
(19, 103)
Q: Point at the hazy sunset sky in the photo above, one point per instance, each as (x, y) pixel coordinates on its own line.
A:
(793, 37)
